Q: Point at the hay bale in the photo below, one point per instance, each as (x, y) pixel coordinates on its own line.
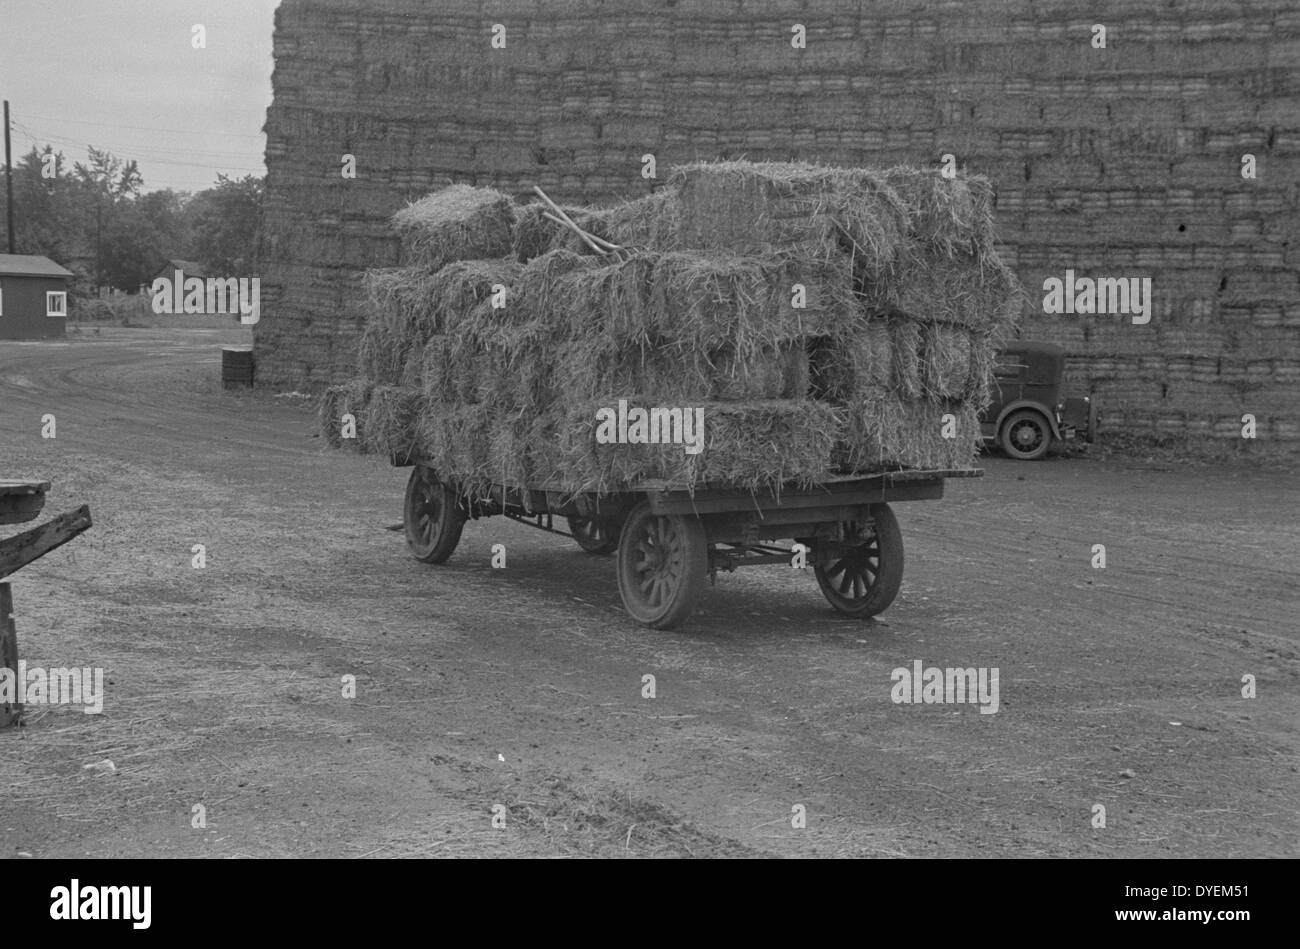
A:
(381, 358)
(796, 376)
(507, 448)
(841, 368)
(948, 215)
(535, 234)
(761, 444)
(774, 372)
(481, 350)
(462, 285)
(438, 381)
(744, 302)
(812, 211)
(905, 341)
(541, 290)
(883, 432)
(350, 398)
(687, 298)
(456, 440)
(945, 363)
(901, 230)
(977, 293)
(979, 385)
(686, 325)
(389, 422)
(401, 296)
(767, 444)
(459, 222)
(401, 311)
(754, 208)
(649, 223)
(409, 305)
(597, 367)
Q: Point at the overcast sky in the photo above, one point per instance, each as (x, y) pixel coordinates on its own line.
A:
(123, 75)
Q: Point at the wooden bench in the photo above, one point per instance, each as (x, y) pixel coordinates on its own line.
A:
(22, 501)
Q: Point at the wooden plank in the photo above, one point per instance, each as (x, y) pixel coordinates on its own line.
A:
(18, 551)
(881, 486)
(848, 495)
(10, 712)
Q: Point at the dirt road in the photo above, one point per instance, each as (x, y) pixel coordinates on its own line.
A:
(522, 687)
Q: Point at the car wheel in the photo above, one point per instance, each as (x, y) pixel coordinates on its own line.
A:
(1026, 436)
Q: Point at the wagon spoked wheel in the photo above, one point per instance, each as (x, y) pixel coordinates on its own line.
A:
(662, 565)
(595, 535)
(863, 578)
(431, 517)
(1026, 436)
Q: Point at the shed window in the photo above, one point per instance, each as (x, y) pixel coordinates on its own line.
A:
(56, 303)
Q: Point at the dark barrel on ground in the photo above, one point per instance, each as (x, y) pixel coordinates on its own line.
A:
(236, 368)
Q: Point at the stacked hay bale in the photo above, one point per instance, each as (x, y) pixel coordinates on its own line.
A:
(826, 320)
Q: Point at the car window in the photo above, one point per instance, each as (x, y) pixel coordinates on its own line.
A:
(1009, 365)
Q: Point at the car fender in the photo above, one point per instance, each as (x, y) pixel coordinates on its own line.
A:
(1029, 404)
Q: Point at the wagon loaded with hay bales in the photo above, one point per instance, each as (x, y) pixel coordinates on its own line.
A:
(753, 353)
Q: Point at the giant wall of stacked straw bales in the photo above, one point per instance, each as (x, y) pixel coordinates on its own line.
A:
(1117, 162)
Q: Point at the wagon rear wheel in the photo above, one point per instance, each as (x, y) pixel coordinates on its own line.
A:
(432, 517)
(595, 535)
(662, 564)
(863, 576)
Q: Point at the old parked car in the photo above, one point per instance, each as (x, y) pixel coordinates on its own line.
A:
(1028, 415)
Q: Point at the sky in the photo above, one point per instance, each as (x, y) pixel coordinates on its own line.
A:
(124, 75)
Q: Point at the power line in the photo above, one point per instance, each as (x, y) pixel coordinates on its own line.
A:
(150, 155)
(142, 128)
(50, 137)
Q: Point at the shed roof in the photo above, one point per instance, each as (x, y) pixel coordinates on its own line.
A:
(189, 267)
(30, 265)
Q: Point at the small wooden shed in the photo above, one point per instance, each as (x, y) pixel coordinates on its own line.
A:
(187, 268)
(33, 297)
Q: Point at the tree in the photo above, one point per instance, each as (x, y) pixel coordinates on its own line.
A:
(133, 246)
(107, 183)
(98, 211)
(45, 212)
(223, 221)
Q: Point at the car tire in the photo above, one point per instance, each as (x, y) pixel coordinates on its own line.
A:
(1026, 435)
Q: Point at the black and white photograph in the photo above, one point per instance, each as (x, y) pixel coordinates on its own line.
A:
(658, 429)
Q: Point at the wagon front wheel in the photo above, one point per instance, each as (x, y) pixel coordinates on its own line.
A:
(862, 577)
(431, 517)
(662, 565)
(595, 535)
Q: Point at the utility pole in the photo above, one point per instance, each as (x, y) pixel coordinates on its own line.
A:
(9, 181)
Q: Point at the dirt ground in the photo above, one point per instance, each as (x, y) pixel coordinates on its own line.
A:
(522, 687)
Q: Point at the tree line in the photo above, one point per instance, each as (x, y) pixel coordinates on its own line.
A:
(96, 219)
